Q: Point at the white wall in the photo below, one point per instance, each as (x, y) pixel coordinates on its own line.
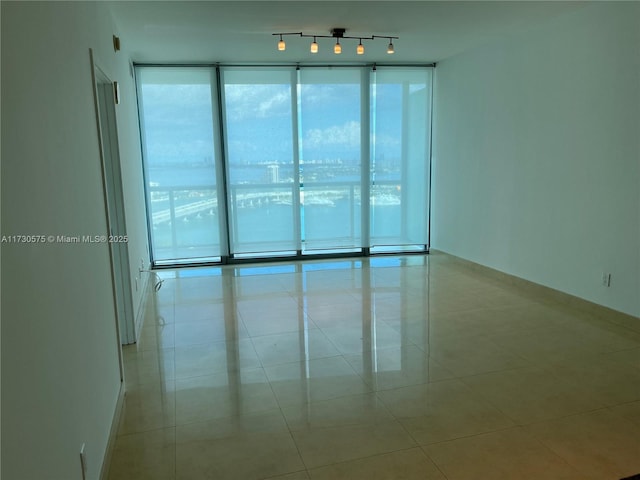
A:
(537, 152)
(60, 373)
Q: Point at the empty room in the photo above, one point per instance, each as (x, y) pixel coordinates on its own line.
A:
(320, 240)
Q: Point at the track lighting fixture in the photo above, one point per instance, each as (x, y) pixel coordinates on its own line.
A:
(338, 34)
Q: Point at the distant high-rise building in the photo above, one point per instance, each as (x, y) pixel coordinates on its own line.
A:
(273, 173)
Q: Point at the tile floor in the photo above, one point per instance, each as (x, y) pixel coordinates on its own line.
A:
(388, 368)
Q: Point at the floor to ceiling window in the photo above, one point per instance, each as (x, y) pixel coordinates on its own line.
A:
(245, 162)
(401, 122)
(258, 120)
(177, 126)
(330, 141)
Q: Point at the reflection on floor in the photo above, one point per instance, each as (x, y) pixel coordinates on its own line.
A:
(385, 368)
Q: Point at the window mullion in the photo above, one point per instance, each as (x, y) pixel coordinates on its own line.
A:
(295, 133)
(222, 168)
(365, 157)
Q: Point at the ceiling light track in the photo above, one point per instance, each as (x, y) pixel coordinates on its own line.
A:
(338, 34)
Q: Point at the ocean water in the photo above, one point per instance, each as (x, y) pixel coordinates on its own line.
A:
(270, 230)
(330, 215)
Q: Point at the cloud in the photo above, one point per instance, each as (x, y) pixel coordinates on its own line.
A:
(346, 135)
(257, 101)
(277, 102)
(313, 94)
(384, 140)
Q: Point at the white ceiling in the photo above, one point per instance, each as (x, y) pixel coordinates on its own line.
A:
(240, 31)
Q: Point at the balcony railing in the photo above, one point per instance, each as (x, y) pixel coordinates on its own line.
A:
(185, 219)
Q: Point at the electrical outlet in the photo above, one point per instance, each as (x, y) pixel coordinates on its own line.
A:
(83, 462)
(606, 279)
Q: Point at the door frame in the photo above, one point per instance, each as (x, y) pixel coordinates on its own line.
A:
(105, 104)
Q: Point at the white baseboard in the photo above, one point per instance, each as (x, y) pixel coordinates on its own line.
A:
(597, 310)
(113, 432)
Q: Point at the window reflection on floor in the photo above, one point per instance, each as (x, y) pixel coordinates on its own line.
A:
(388, 366)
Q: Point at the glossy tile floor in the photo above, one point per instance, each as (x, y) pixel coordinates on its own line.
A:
(388, 368)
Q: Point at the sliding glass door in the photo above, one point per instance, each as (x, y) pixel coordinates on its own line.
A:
(400, 152)
(246, 162)
(330, 158)
(262, 171)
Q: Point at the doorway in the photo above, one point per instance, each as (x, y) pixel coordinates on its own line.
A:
(104, 93)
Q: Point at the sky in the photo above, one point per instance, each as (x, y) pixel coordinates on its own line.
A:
(178, 117)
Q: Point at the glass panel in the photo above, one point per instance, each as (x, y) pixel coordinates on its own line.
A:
(260, 160)
(176, 114)
(400, 148)
(330, 158)
(276, 204)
